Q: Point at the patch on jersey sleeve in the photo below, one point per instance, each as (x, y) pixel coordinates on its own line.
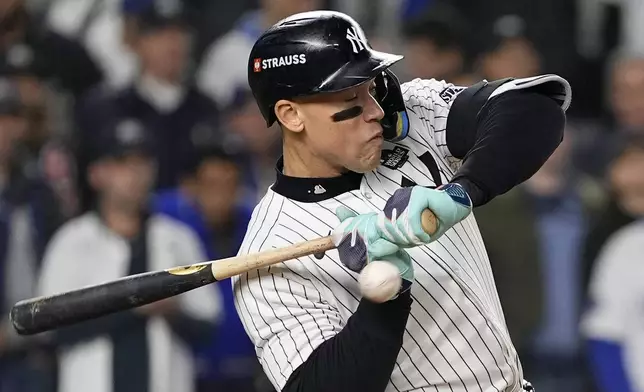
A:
(394, 159)
(450, 92)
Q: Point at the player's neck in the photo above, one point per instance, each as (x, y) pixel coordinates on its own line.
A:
(300, 162)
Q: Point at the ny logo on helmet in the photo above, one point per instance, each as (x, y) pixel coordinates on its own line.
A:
(355, 39)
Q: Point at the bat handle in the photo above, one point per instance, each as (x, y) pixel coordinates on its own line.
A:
(429, 222)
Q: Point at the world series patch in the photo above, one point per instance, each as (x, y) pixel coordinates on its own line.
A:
(394, 159)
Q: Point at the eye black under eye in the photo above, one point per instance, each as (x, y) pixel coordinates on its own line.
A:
(347, 114)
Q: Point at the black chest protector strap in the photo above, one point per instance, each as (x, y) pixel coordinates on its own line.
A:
(464, 113)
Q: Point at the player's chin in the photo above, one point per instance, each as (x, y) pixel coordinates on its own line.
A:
(369, 160)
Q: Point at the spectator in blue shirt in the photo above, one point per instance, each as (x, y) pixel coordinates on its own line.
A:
(209, 201)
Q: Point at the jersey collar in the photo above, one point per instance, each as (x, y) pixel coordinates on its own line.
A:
(312, 190)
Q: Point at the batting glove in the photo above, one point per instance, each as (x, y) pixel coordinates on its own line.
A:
(400, 220)
(359, 241)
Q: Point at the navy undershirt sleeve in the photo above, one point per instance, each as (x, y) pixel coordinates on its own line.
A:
(362, 356)
(515, 133)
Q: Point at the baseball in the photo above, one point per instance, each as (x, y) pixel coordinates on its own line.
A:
(379, 281)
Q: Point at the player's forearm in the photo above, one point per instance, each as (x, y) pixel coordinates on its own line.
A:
(515, 134)
(362, 356)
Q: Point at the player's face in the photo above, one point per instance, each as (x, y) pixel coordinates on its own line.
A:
(344, 129)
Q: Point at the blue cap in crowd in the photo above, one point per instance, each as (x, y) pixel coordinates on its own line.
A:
(209, 143)
(503, 28)
(122, 137)
(152, 15)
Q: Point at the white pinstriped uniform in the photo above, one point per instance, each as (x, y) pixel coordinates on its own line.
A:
(456, 338)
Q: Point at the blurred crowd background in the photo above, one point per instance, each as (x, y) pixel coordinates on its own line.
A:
(129, 141)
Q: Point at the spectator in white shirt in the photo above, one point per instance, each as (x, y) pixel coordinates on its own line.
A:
(148, 349)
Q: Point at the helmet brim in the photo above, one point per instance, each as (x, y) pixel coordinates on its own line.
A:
(357, 72)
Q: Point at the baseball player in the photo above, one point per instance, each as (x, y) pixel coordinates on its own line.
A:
(363, 156)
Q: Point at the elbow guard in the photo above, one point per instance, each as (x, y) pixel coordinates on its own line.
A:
(464, 114)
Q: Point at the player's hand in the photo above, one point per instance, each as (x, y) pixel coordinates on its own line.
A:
(359, 241)
(400, 220)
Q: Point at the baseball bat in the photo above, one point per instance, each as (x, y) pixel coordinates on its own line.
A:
(40, 314)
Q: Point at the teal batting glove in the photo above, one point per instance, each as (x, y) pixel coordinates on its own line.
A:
(400, 220)
(359, 241)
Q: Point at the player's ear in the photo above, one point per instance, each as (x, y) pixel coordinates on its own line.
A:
(289, 115)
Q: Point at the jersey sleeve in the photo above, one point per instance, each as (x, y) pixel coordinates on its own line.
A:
(616, 293)
(428, 103)
(285, 313)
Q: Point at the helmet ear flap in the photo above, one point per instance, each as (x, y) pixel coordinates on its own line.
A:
(395, 123)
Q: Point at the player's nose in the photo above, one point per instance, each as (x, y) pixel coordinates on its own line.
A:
(373, 111)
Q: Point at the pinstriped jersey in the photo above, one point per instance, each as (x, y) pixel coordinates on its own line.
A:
(455, 339)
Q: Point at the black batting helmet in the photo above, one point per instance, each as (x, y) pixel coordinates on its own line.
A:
(321, 52)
